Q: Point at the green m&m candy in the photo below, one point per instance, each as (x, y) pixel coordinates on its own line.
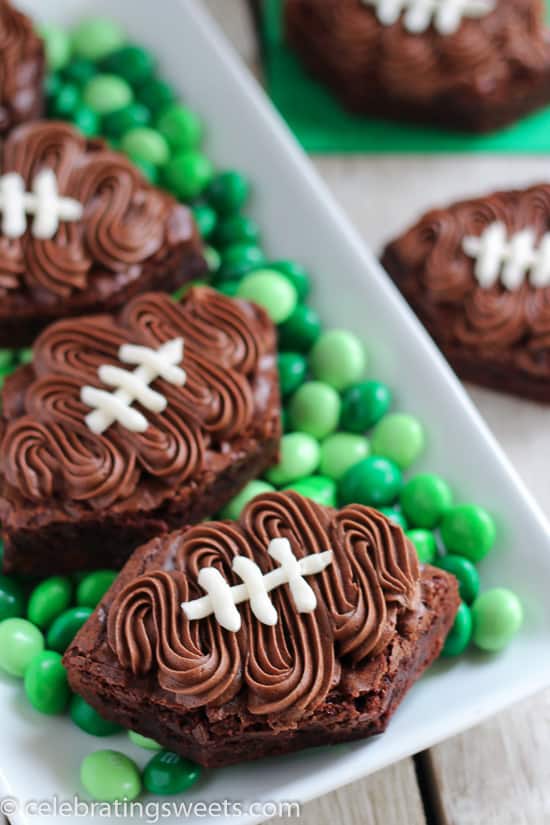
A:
(86, 120)
(63, 629)
(168, 773)
(106, 93)
(79, 71)
(363, 405)
(425, 499)
(465, 572)
(460, 634)
(301, 330)
(228, 192)
(315, 409)
(89, 720)
(240, 258)
(93, 587)
(292, 371)
(46, 683)
(181, 127)
(340, 451)
(143, 143)
(320, 489)
(395, 515)
(238, 229)
(110, 776)
(20, 641)
(134, 63)
(187, 174)
(468, 530)
(57, 46)
(424, 542)
(497, 616)
(156, 95)
(338, 358)
(205, 218)
(270, 290)
(95, 38)
(374, 481)
(399, 437)
(12, 598)
(48, 599)
(143, 741)
(66, 101)
(299, 457)
(134, 116)
(254, 488)
(296, 274)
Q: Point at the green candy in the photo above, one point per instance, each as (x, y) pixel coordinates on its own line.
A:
(234, 508)
(363, 405)
(7, 359)
(187, 174)
(338, 358)
(205, 218)
(468, 530)
(52, 85)
(79, 71)
(66, 101)
(299, 457)
(167, 774)
(425, 499)
(57, 45)
(89, 720)
(228, 192)
(135, 116)
(94, 39)
(143, 741)
(315, 409)
(147, 169)
(12, 598)
(374, 481)
(400, 437)
(212, 258)
(156, 95)
(229, 288)
(424, 541)
(20, 641)
(48, 600)
(86, 121)
(465, 572)
(341, 451)
(497, 616)
(66, 626)
(237, 229)
(93, 587)
(460, 635)
(25, 355)
(134, 63)
(271, 291)
(46, 683)
(145, 144)
(297, 276)
(395, 515)
(320, 489)
(301, 330)
(110, 776)
(240, 258)
(181, 128)
(292, 371)
(106, 93)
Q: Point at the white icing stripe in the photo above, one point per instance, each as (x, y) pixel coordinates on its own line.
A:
(509, 259)
(43, 202)
(221, 599)
(133, 386)
(418, 15)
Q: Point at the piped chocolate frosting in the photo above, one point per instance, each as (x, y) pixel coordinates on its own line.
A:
(21, 68)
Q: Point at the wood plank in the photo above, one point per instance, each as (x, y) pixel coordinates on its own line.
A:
(390, 797)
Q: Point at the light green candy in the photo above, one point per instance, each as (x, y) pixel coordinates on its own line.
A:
(234, 508)
(315, 409)
(338, 358)
(320, 489)
(299, 457)
(341, 451)
(270, 290)
(107, 93)
(20, 641)
(143, 741)
(497, 616)
(57, 45)
(110, 776)
(95, 38)
(399, 437)
(146, 145)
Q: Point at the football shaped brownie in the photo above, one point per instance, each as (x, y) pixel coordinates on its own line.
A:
(22, 63)
(478, 276)
(126, 426)
(473, 65)
(299, 625)
(81, 231)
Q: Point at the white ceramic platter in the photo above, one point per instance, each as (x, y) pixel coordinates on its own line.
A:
(39, 756)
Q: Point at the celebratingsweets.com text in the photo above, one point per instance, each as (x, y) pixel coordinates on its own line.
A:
(150, 811)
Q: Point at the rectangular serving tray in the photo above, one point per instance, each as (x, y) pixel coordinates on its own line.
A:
(40, 756)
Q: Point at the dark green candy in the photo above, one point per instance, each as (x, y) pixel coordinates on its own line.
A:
(465, 572)
(229, 288)
(374, 481)
(395, 516)
(133, 63)
(363, 405)
(242, 254)
(147, 169)
(86, 120)
(320, 489)
(228, 191)
(66, 101)
(48, 600)
(292, 371)
(296, 274)
(12, 598)
(205, 218)
(237, 229)
(133, 116)
(168, 773)
(93, 587)
(65, 627)
(156, 95)
(460, 634)
(79, 71)
(301, 330)
(52, 86)
(424, 541)
(88, 719)
(46, 683)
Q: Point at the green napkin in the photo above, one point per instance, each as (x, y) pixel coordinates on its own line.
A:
(321, 125)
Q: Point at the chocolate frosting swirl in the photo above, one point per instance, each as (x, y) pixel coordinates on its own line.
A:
(21, 68)
(48, 450)
(125, 224)
(287, 670)
(438, 278)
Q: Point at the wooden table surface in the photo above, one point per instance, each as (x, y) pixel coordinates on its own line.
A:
(499, 772)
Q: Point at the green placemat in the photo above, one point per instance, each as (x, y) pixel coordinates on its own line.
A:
(321, 125)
